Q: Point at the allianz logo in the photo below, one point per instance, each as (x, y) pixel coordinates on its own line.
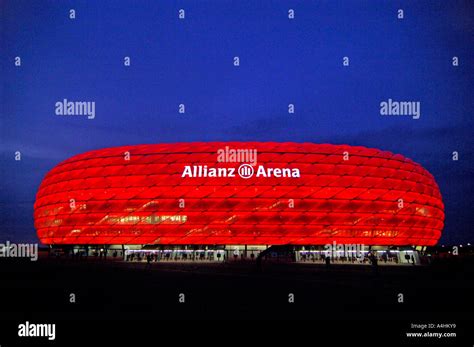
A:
(244, 171)
(248, 169)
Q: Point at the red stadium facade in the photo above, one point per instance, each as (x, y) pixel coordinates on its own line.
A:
(239, 193)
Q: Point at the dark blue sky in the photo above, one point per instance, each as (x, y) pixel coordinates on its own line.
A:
(190, 61)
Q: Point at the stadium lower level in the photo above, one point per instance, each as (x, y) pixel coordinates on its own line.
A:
(337, 254)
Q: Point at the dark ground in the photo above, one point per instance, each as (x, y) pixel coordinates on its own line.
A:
(342, 295)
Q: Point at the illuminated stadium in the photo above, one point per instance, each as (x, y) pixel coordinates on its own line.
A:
(239, 193)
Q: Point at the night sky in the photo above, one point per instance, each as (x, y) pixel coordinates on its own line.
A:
(190, 61)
